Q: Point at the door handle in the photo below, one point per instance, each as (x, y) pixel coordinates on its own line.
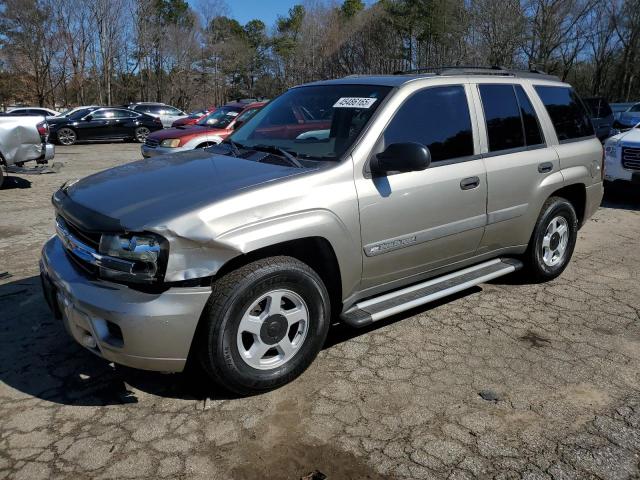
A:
(545, 167)
(469, 183)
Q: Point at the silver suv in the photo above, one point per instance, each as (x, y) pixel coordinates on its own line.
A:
(355, 199)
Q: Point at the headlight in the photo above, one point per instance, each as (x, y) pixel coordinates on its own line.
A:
(144, 252)
(170, 142)
(610, 149)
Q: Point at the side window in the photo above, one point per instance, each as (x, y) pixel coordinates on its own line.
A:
(103, 114)
(568, 114)
(502, 114)
(437, 117)
(124, 114)
(532, 131)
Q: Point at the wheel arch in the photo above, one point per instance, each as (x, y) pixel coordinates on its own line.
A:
(316, 251)
(576, 194)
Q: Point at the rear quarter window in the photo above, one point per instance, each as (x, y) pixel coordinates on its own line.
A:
(568, 114)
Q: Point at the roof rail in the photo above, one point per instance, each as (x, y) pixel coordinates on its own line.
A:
(479, 70)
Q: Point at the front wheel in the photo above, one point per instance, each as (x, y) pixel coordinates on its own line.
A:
(67, 136)
(553, 240)
(264, 324)
(141, 134)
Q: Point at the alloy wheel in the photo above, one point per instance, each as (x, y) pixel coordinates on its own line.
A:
(555, 241)
(273, 329)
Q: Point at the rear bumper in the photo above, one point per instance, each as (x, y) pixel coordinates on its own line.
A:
(122, 325)
(48, 152)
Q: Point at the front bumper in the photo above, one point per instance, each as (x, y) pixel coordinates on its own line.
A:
(125, 326)
(148, 152)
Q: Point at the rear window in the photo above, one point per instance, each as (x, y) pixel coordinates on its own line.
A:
(502, 114)
(568, 114)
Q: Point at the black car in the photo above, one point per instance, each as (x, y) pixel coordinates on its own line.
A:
(103, 123)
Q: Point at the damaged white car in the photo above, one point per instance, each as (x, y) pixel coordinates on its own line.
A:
(24, 139)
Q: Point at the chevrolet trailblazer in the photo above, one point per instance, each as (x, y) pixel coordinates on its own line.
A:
(395, 191)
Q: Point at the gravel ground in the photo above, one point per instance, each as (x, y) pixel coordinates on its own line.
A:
(507, 380)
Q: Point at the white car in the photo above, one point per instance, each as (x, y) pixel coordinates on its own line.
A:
(622, 156)
(34, 111)
(166, 113)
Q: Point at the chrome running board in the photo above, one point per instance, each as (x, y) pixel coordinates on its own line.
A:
(377, 308)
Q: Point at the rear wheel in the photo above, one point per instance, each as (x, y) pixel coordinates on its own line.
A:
(67, 136)
(264, 324)
(553, 240)
(141, 134)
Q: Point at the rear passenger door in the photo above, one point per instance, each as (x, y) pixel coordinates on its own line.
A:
(415, 222)
(522, 169)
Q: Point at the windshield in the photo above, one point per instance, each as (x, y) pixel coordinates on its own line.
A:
(319, 121)
(220, 118)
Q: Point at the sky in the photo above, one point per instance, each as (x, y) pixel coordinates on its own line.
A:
(265, 10)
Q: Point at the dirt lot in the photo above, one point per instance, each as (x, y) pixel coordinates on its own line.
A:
(558, 364)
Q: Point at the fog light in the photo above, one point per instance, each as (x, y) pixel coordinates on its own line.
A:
(88, 341)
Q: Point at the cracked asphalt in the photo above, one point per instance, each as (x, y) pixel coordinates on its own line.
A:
(507, 380)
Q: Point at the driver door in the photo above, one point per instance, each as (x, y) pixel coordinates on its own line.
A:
(415, 222)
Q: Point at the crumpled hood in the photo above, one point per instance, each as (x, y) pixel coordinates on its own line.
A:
(146, 193)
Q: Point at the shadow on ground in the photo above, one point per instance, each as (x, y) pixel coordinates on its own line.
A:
(11, 182)
(622, 195)
(39, 359)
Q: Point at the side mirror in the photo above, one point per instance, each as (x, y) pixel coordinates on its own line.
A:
(401, 157)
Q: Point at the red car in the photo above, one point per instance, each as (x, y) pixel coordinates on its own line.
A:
(211, 129)
(192, 118)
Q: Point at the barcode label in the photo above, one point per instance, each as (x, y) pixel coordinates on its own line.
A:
(355, 102)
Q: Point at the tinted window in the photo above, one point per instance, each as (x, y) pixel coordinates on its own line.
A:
(124, 114)
(502, 114)
(635, 108)
(172, 111)
(78, 114)
(568, 114)
(437, 117)
(532, 132)
(103, 114)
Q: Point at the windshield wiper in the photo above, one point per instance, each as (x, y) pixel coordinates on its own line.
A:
(278, 151)
(235, 147)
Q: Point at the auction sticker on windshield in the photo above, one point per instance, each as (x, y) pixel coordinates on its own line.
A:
(355, 102)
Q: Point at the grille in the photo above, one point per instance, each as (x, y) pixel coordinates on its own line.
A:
(152, 142)
(631, 158)
(91, 239)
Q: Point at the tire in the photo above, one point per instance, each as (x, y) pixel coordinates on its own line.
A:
(243, 334)
(2, 174)
(553, 240)
(66, 136)
(140, 134)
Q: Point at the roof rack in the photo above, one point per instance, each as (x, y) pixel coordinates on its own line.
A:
(476, 70)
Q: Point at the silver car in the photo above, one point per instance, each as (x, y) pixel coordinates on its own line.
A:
(352, 199)
(166, 113)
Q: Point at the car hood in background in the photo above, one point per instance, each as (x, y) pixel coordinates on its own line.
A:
(186, 131)
(142, 194)
(630, 138)
(629, 118)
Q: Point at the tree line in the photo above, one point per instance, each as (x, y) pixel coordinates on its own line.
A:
(193, 54)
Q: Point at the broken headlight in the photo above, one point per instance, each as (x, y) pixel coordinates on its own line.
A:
(144, 257)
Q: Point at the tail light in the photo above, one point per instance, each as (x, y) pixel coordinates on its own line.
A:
(43, 130)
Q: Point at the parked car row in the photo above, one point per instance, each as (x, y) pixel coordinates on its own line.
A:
(210, 129)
